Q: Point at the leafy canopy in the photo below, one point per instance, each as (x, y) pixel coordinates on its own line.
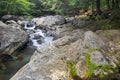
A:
(14, 6)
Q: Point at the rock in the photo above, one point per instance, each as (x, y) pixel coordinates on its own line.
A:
(49, 72)
(61, 30)
(11, 17)
(7, 17)
(112, 40)
(93, 41)
(30, 23)
(49, 21)
(65, 29)
(70, 19)
(98, 58)
(79, 54)
(10, 22)
(20, 22)
(77, 22)
(109, 35)
(13, 24)
(11, 38)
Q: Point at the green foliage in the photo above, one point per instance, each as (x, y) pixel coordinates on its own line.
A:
(111, 25)
(71, 66)
(119, 42)
(103, 3)
(112, 52)
(14, 7)
(59, 6)
(92, 66)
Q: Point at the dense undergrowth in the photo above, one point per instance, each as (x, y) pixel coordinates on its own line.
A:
(107, 20)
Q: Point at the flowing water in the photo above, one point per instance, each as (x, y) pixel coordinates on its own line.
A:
(37, 36)
(14, 65)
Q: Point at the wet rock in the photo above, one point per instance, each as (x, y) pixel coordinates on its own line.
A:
(5, 57)
(13, 24)
(30, 23)
(37, 37)
(20, 22)
(11, 38)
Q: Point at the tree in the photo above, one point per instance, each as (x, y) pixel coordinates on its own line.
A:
(108, 4)
(115, 3)
(14, 6)
(98, 10)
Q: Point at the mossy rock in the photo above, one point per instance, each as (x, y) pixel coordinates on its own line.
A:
(91, 67)
(71, 66)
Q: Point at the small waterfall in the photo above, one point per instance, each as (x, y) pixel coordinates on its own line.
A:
(36, 35)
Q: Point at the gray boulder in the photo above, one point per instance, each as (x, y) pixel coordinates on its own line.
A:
(49, 21)
(77, 22)
(11, 17)
(77, 54)
(11, 38)
(13, 24)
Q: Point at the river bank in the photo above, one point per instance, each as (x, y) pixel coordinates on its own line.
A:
(66, 50)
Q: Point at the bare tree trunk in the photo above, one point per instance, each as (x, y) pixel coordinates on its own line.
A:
(117, 3)
(98, 10)
(108, 4)
(93, 6)
(113, 3)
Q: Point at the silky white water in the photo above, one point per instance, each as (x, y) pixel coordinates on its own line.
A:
(36, 35)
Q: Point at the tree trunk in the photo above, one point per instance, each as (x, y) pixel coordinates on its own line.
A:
(108, 4)
(117, 3)
(113, 3)
(93, 6)
(98, 10)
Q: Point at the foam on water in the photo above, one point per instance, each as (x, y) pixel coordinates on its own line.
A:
(48, 39)
(36, 36)
(29, 28)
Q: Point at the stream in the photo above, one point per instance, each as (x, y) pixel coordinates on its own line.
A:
(37, 36)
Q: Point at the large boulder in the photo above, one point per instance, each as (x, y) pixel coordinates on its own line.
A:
(49, 21)
(80, 54)
(77, 22)
(11, 38)
(11, 17)
(13, 24)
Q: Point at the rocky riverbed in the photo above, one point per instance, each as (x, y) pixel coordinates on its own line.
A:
(74, 53)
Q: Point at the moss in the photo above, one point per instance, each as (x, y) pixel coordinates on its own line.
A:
(91, 66)
(119, 42)
(71, 66)
(101, 75)
(106, 67)
(112, 52)
(103, 24)
(93, 49)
